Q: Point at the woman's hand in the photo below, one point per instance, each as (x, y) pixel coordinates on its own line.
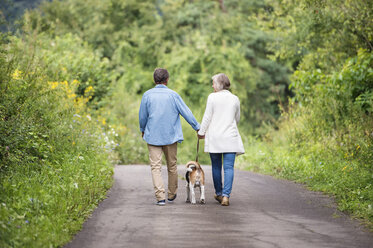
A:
(200, 136)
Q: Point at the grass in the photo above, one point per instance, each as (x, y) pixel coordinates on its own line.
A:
(44, 207)
(322, 166)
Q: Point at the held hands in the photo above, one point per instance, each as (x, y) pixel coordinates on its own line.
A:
(200, 136)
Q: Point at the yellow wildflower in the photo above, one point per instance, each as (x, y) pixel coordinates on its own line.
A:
(53, 85)
(88, 89)
(88, 92)
(71, 95)
(17, 74)
(75, 82)
(65, 83)
(344, 168)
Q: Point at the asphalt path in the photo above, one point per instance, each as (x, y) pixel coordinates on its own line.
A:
(264, 212)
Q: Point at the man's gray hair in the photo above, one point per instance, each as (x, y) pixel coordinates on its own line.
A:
(221, 81)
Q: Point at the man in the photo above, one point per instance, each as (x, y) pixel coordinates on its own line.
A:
(159, 118)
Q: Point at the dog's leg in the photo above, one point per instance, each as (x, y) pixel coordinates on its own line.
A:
(188, 192)
(191, 187)
(202, 189)
(187, 186)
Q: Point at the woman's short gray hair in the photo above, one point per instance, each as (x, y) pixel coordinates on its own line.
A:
(221, 81)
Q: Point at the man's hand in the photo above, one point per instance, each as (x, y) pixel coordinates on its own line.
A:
(142, 134)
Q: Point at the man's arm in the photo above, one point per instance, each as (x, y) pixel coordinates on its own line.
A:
(143, 115)
(186, 113)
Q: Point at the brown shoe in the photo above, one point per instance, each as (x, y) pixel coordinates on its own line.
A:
(219, 198)
(225, 201)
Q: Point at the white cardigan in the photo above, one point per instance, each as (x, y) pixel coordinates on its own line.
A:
(219, 123)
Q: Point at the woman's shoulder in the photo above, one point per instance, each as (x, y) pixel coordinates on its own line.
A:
(211, 96)
(236, 97)
(224, 94)
(216, 96)
(233, 96)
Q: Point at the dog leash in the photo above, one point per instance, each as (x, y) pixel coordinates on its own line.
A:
(197, 149)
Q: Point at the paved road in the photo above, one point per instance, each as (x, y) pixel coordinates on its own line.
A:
(264, 212)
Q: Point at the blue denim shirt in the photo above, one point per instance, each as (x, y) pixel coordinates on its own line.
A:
(159, 116)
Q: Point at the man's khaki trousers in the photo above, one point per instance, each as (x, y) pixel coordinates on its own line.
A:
(155, 157)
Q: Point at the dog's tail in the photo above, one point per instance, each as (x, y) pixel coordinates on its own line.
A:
(193, 165)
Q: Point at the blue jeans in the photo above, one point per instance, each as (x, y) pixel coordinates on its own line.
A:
(216, 162)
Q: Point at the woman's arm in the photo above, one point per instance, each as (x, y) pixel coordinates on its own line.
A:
(206, 117)
(238, 114)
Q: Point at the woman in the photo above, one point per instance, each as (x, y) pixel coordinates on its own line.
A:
(223, 142)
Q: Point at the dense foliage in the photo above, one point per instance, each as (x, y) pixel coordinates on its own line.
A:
(73, 75)
(193, 40)
(12, 10)
(320, 34)
(54, 165)
(327, 140)
(325, 136)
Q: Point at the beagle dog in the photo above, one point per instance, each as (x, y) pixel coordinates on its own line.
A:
(195, 177)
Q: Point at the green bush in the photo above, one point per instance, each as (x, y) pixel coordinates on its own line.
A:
(54, 165)
(325, 139)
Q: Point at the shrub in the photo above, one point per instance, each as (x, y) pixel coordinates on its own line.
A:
(326, 138)
(54, 166)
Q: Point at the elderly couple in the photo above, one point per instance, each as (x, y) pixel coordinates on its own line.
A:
(159, 118)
